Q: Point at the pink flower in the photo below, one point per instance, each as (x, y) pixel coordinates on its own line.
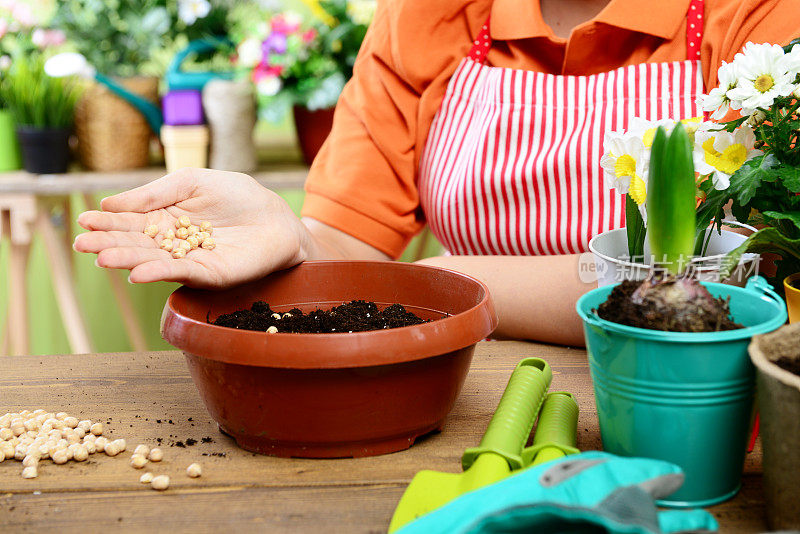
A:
(285, 23)
(45, 38)
(310, 35)
(23, 14)
(57, 37)
(3, 27)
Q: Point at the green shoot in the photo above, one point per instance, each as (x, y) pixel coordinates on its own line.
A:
(671, 200)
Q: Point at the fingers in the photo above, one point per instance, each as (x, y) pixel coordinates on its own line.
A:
(183, 271)
(123, 222)
(129, 257)
(94, 242)
(165, 191)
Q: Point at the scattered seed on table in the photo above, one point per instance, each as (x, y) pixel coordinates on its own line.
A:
(30, 472)
(160, 483)
(71, 422)
(194, 470)
(138, 461)
(100, 443)
(183, 222)
(30, 461)
(80, 454)
(156, 454)
(144, 450)
(60, 457)
(112, 449)
(96, 429)
(146, 478)
(121, 444)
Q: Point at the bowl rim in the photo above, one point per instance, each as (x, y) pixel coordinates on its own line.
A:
(336, 350)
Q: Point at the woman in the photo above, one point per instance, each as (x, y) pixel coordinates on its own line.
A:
(484, 119)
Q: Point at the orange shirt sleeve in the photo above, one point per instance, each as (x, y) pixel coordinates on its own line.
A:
(732, 23)
(363, 181)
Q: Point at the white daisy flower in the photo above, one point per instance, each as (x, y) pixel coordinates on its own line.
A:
(763, 76)
(792, 60)
(191, 10)
(268, 85)
(718, 99)
(723, 153)
(249, 52)
(624, 160)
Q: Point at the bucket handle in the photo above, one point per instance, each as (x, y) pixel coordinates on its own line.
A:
(759, 285)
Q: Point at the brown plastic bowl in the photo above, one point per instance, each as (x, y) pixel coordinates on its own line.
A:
(333, 395)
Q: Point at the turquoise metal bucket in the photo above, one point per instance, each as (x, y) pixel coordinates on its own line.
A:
(681, 397)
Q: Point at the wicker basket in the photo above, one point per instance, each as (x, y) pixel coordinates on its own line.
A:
(112, 135)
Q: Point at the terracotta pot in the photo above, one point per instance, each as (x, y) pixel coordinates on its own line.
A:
(778, 393)
(791, 286)
(333, 395)
(313, 128)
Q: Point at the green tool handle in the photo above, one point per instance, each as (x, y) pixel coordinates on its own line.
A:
(556, 431)
(511, 424)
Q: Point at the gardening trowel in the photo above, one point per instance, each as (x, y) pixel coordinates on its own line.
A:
(499, 452)
(556, 430)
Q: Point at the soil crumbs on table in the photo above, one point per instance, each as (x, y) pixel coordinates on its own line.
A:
(704, 315)
(355, 316)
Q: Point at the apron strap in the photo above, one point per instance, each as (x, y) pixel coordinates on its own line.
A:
(694, 35)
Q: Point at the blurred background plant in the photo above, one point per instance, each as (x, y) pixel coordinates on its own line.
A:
(36, 99)
(297, 62)
(133, 37)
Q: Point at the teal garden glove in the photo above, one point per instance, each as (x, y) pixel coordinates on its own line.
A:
(584, 493)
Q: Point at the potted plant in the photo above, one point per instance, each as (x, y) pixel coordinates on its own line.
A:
(777, 360)
(766, 188)
(668, 356)
(304, 66)
(43, 110)
(21, 37)
(131, 41)
(624, 253)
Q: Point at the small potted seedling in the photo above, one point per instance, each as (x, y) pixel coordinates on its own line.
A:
(668, 355)
(43, 110)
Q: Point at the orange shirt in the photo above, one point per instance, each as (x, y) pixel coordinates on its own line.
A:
(364, 180)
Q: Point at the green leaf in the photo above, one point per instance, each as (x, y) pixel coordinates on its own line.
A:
(746, 181)
(790, 175)
(635, 229)
(671, 199)
(793, 216)
(766, 240)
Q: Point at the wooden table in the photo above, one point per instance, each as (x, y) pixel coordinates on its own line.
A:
(26, 204)
(150, 395)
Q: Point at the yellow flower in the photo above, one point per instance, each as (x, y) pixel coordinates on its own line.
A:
(638, 190)
(723, 153)
(727, 161)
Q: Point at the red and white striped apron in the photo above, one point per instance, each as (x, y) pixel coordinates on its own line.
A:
(512, 160)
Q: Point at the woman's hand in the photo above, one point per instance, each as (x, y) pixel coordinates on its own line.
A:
(255, 231)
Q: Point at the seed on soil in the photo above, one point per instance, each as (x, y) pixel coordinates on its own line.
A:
(138, 461)
(272, 330)
(209, 243)
(146, 478)
(276, 316)
(30, 472)
(151, 230)
(156, 454)
(160, 483)
(183, 222)
(194, 470)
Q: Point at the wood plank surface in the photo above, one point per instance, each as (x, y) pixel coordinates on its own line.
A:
(132, 392)
(278, 176)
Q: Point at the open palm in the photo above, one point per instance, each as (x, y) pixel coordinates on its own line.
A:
(254, 230)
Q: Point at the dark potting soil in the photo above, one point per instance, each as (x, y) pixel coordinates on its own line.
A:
(703, 313)
(789, 364)
(795, 283)
(782, 348)
(355, 316)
